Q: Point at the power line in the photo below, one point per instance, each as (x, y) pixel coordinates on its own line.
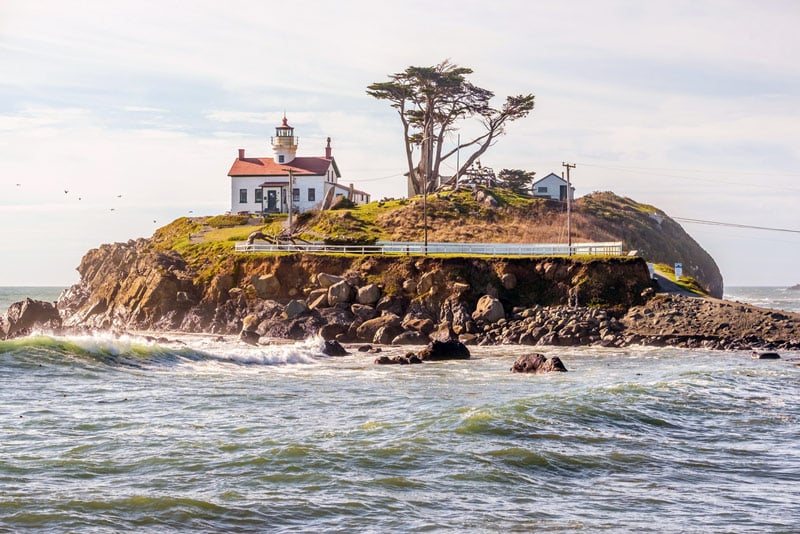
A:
(378, 179)
(734, 225)
(704, 171)
(643, 170)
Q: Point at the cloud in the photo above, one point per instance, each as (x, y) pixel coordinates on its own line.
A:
(152, 99)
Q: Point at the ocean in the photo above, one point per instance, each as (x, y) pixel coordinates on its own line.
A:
(202, 434)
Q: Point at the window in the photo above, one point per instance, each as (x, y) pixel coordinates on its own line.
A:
(280, 158)
(312, 194)
(541, 189)
(259, 195)
(295, 195)
(242, 196)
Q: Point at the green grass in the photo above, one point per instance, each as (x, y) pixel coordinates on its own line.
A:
(222, 221)
(686, 282)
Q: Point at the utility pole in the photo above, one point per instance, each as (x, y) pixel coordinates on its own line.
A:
(291, 198)
(569, 206)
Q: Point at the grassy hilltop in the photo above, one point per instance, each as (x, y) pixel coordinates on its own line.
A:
(204, 242)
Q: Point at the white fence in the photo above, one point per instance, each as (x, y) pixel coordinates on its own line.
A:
(613, 248)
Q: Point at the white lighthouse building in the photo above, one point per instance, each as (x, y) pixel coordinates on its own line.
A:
(271, 185)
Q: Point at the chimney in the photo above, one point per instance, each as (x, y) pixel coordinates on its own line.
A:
(328, 149)
(241, 153)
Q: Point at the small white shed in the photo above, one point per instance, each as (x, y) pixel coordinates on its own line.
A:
(553, 187)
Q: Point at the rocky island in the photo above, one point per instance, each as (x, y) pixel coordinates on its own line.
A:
(187, 278)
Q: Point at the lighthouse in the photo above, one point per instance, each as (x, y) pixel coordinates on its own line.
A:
(284, 144)
(287, 181)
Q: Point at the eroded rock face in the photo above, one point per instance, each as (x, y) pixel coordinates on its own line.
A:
(538, 364)
(131, 285)
(135, 285)
(27, 315)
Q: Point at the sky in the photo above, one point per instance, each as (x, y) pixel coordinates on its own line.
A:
(117, 117)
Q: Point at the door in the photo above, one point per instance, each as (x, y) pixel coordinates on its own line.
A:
(272, 201)
(562, 193)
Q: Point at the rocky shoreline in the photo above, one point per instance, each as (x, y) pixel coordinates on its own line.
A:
(399, 300)
(664, 320)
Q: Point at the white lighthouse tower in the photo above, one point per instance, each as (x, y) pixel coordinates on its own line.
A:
(284, 144)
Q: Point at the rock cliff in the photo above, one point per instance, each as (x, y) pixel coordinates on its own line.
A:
(133, 285)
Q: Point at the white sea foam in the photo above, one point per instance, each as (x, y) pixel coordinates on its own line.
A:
(184, 349)
(308, 351)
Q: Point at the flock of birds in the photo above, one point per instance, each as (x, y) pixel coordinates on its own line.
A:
(66, 192)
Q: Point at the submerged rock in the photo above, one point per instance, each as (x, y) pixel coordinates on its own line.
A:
(538, 364)
(249, 336)
(444, 350)
(766, 355)
(408, 359)
(334, 348)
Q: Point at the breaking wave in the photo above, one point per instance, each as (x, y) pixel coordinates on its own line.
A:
(130, 351)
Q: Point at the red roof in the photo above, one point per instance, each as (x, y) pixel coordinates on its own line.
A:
(302, 166)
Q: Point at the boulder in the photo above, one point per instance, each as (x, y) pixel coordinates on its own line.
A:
(486, 199)
(334, 348)
(458, 314)
(395, 304)
(430, 282)
(508, 280)
(488, 310)
(219, 288)
(340, 292)
(294, 308)
(266, 285)
(319, 301)
(331, 330)
(363, 312)
(367, 330)
(250, 323)
(538, 364)
(411, 337)
(327, 280)
(368, 294)
(468, 339)
(249, 336)
(444, 350)
(443, 333)
(385, 334)
(459, 288)
(24, 316)
(423, 326)
(296, 330)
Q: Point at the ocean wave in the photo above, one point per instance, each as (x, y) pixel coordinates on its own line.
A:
(137, 352)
